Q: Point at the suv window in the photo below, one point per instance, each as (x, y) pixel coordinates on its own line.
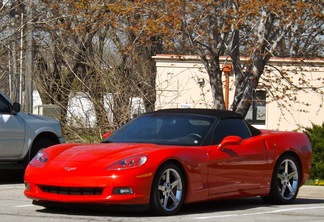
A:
(230, 127)
(4, 105)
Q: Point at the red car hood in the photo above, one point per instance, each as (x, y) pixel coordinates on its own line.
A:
(94, 154)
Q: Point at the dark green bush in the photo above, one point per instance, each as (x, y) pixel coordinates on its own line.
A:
(316, 136)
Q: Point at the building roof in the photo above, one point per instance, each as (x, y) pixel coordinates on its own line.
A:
(243, 58)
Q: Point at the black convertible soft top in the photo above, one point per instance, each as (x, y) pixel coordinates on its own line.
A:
(221, 114)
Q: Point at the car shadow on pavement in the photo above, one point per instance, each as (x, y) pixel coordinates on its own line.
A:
(11, 176)
(223, 205)
(308, 201)
(238, 204)
(195, 208)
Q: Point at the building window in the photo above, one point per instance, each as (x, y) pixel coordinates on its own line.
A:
(257, 112)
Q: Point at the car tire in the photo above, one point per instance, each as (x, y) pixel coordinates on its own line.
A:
(285, 181)
(168, 190)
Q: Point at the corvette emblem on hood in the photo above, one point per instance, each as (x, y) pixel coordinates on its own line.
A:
(70, 168)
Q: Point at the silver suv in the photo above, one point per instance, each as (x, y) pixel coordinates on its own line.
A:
(22, 135)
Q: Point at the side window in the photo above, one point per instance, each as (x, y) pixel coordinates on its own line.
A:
(4, 105)
(230, 127)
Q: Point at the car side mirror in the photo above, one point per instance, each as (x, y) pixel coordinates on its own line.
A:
(15, 108)
(230, 140)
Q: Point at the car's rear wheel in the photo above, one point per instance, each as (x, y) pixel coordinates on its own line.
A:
(285, 181)
(168, 190)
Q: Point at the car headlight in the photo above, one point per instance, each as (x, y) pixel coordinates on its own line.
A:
(130, 162)
(40, 159)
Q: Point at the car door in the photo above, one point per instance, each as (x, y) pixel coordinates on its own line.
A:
(236, 168)
(12, 131)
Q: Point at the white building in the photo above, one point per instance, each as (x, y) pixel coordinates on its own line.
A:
(182, 82)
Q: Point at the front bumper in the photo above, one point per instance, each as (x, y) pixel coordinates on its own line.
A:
(68, 188)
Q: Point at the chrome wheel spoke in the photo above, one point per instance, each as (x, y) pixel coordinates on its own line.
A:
(165, 201)
(161, 188)
(167, 180)
(291, 191)
(292, 175)
(286, 166)
(288, 179)
(175, 183)
(283, 190)
(170, 189)
(174, 199)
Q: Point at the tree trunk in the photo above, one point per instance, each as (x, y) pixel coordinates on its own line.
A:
(215, 77)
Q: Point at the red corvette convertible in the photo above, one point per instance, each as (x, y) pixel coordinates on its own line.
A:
(167, 158)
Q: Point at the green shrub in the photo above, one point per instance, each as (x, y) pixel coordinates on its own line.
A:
(316, 136)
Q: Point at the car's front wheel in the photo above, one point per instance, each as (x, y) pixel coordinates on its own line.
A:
(168, 190)
(285, 181)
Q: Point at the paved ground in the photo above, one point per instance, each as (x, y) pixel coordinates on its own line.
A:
(316, 192)
(309, 206)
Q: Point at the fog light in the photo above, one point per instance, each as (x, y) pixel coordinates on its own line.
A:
(123, 190)
(27, 186)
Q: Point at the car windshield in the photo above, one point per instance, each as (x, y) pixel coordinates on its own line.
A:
(169, 129)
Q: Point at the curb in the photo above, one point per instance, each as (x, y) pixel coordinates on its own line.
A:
(307, 191)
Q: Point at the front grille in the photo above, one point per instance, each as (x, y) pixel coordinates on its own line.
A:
(72, 190)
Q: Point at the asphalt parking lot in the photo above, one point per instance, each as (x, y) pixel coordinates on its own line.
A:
(309, 206)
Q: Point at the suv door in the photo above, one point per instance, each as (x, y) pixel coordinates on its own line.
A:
(12, 131)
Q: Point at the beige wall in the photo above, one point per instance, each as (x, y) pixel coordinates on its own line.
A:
(178, 78)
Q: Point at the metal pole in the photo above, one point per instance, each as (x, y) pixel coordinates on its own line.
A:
(227, 69)
(226, 90)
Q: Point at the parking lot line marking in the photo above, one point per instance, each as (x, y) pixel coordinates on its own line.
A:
(258, 213)
(26, 205)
